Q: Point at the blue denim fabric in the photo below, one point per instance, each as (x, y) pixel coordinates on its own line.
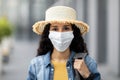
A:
(42, 69)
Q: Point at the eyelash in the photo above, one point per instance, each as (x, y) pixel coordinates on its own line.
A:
(65, 28)
(54, 29)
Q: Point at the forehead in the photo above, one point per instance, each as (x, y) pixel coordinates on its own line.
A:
(60, 23)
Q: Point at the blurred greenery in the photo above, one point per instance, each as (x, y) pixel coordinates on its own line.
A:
(5, 28)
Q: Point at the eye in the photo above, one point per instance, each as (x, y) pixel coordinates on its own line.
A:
(54, 29)
(67, 28)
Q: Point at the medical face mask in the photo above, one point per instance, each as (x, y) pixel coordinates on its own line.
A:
(61, 40)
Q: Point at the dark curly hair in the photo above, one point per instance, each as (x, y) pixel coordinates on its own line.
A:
(77, 45)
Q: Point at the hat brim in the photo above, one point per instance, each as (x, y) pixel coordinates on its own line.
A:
(38, 27)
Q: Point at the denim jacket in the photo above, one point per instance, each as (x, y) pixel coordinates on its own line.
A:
(42, 69)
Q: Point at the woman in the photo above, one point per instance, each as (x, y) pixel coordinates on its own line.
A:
(61, 38)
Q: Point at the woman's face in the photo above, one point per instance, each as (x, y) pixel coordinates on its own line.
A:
(60, 27)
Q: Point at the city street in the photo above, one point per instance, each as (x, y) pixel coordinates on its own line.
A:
(21, 55)
(98, 21)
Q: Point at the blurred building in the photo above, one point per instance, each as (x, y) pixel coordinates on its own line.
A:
(103, 17)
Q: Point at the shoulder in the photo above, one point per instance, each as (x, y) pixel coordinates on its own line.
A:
(35, 64)
(91, 63)
(92, 66)
(34, 67)
(37, 60)
(40, 60)
(89, 59)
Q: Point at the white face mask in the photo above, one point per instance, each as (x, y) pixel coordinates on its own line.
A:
(61, 40)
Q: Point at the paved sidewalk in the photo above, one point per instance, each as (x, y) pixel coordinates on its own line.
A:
(17, 67)
(107, 74)
(23, 52)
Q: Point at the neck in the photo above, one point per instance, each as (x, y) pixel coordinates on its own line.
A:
(60, 56)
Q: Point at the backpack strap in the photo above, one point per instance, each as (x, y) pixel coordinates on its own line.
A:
(79, 56)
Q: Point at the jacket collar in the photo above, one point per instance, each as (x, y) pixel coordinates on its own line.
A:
(47, 61)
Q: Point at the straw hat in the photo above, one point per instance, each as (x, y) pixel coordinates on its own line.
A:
(60, 14)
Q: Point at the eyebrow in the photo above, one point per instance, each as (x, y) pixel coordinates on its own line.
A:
(54, 26)
(67, 25)
(57, 26)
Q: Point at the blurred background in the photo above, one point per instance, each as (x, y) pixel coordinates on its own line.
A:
(18, 44)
